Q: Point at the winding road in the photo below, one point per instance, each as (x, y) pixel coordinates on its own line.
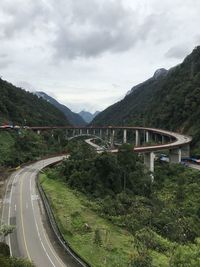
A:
(32, 238)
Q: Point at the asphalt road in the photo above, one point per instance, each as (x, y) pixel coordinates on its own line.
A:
(23, 208)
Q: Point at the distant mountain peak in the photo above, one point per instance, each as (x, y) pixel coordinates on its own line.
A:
(74, 118)
(88, 116)
(160, 73)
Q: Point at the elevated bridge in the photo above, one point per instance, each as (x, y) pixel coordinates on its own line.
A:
(145, 140)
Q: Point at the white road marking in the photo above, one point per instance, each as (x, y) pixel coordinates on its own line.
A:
(35, 197)
(38, 230)
(9, 210)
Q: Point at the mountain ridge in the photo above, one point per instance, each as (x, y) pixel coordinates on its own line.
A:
(88, 116)
(74, 118)
(171, 101)
(22, 107)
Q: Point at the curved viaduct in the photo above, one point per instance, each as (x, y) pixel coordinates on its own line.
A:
(146, 140)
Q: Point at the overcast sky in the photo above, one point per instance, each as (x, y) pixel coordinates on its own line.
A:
(89, 53)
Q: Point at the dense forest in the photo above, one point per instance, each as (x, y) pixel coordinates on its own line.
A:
(169, 101)
(163, 216)
(21, 146)
(24, 108)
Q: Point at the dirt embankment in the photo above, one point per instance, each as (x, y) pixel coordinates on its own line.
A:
(4, 174)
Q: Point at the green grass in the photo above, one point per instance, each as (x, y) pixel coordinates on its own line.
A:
(78, 223)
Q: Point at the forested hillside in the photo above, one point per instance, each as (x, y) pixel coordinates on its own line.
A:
(74, 118)
(24, 108)
(170, 101)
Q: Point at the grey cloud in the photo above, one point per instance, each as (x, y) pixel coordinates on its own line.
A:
(4, 61)
(23, 15)
(94, 28)
(177, 52)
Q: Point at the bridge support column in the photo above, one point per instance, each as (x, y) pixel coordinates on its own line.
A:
(100, 133)
(107, 134)
(38, 132)
(87, 131)
(73, 133)
(149, 160)
(81, 132)
(112, 137)
(147, 136)
(94, 132)
(175, 155)
(163, 139)
(125, 136)
(185, 151)
(137, 138)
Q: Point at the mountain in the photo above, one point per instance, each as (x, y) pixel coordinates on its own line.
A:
(170, 100)
(87, 116)
(72, 117)
(21, 107)
(160, 73)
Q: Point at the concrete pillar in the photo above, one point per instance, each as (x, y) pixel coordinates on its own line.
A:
(107, 134)
(125, 136)
(147, 136)
(87, 131)
(112, 137)
(100, 133)
(149, 160)
(185, 151)
(94, 132)
(175, 155)
(38, 132)
(155, 138)
(73, 132)
(163, 139)
(81, 132)
(137, 138)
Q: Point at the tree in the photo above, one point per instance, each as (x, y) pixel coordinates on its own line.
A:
(6, 230)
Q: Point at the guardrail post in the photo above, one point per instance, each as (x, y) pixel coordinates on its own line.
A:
(125, 136)
(175, 155)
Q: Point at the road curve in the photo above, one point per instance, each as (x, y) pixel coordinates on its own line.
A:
(177, 139)
(23, 208)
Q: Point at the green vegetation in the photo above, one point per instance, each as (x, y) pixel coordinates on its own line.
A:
(24, 108)
(170, 102)
(5, 259)
(103, 197)
(18, 147)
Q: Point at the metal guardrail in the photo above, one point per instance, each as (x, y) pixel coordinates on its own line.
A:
(66, 246)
